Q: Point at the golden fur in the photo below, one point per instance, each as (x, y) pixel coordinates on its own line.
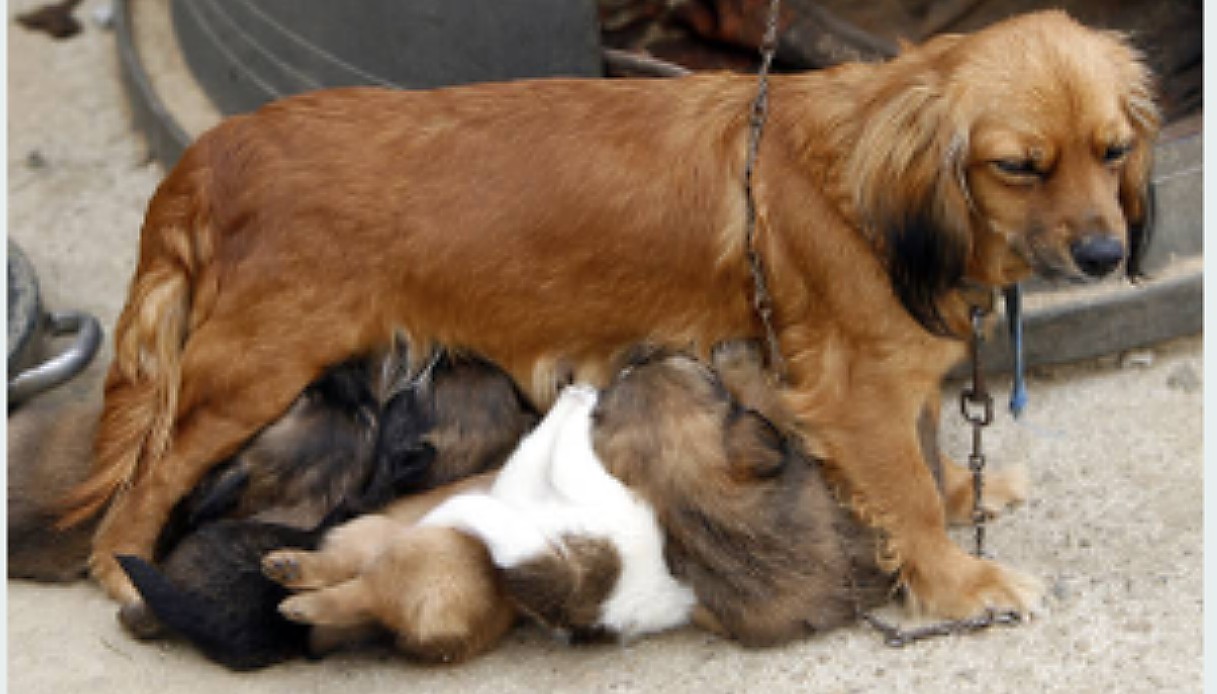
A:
(547, 225)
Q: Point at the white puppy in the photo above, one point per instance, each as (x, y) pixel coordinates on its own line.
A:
(579, 550)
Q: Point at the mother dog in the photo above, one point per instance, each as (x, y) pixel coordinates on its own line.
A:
(549, 225)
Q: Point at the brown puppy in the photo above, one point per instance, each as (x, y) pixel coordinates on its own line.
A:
(751, 524)
(435, 588)
(548, 225)
(49, 448)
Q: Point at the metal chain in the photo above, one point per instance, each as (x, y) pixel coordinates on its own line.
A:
(762, 303)
(976, 406)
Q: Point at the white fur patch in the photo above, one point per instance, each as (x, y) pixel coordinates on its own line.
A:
(554, 486)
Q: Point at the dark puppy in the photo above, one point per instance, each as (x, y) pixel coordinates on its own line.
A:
(751, 525)
(364, 433)
(206, 592)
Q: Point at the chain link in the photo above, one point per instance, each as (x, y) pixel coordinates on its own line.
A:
(968, 399)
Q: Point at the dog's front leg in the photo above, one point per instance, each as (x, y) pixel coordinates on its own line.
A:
(874, 451)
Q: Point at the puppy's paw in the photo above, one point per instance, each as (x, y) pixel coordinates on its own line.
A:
(300, 609)
(284, 567)
(737, 355)
(962, 586)
(345, 605)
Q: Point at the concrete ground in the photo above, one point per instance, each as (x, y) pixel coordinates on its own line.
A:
(1113, 448)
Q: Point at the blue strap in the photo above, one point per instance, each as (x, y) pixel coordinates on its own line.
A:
(1014, 315)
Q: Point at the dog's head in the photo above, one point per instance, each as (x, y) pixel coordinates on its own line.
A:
(1022, 149)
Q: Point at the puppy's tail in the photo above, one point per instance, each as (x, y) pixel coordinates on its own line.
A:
(172, 291)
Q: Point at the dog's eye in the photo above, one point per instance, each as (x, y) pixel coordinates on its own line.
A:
(1116, 152)
(1017, 168)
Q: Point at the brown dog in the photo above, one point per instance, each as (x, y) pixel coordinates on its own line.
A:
(548, 225)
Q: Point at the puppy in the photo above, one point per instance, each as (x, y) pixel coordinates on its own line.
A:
(750, 522)
(315, 467)
(578, 550)
(543, 225)
(49, 447)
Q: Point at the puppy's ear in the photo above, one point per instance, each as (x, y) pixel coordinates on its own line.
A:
(1136, 188)
(909, 187)
(756, 450)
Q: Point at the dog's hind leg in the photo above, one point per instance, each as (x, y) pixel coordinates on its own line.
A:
(1001, 489)
(233, 383)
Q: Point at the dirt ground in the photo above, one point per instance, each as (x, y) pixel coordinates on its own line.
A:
(1113, 447)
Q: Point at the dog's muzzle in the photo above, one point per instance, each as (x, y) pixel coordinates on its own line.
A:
(1097, 255)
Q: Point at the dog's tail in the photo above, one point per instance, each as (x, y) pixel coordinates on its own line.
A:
(227, 636)
(171, 293)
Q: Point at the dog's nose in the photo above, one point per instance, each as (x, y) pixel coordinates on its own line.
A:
(1097, 255)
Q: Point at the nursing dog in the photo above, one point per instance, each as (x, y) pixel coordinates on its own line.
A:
(722, 520)
(549, 225)
(366, 432)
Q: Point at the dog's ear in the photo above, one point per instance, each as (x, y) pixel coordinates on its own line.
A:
(1136, 188)
(907, 177)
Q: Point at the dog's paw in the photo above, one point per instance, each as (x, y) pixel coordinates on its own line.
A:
(104, 568)
(283, 567)
(1003, 489)
(963, 586)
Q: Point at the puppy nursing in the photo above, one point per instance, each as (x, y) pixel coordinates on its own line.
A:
(660, 500)
(578, 550)
(572, 547)
(315, 466)
(750, 521)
